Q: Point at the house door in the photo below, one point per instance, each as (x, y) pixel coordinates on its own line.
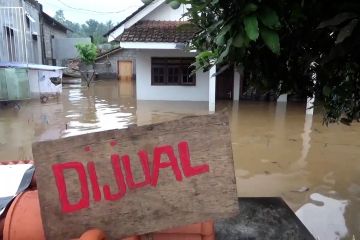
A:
(125, 70)
(125, 76)
(225, 84)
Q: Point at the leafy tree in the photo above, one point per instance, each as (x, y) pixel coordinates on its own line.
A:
(87, 52)
(299, 47)
(59, 16)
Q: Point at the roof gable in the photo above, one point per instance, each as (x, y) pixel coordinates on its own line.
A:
(54, 23)
(165, 12)
(135, 17)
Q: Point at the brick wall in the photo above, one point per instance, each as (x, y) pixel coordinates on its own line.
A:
(102, 67)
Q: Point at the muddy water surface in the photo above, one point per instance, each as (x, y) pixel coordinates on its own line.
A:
(278, 151)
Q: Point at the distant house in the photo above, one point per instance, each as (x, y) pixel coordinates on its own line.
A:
(106, 64)
(52, 29)
(152, 42)
(57, 46)
(29, 35)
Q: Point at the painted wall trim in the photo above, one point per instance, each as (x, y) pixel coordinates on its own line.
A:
(151, 45)
(236, 90)
(151, 7)
(212, 89)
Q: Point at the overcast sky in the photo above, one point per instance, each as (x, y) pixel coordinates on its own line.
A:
(124, 7)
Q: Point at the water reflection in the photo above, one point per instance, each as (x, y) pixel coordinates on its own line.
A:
(306, 138)
(278, 150)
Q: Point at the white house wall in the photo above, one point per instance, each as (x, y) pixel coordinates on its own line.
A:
(40, 83)
(34, 83)
(165, 13)
(236, 90)
(146, 91)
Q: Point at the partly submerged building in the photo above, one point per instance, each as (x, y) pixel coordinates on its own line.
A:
(152, 42)
(23, 51)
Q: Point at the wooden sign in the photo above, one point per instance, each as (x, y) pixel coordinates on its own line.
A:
(137, 180)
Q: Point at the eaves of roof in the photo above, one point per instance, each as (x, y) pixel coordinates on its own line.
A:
(125, 20)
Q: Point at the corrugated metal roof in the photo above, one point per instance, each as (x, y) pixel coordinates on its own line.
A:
(30, 66)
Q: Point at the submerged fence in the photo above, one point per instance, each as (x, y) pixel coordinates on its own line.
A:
(13, 24)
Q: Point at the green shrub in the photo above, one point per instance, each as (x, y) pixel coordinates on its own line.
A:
(87, 52)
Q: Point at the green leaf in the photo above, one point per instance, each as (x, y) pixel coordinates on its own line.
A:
(239, 40)
(146, 1)
(225, 28)
(271, 39)
(338, 19)
(246, 41)
(269, 18)
(214, 26)
(220, 39)
(175, 4)
(346, 31)
(326, 91)
(225, 52)
(251, 27)
(205, 54)
(249, 8)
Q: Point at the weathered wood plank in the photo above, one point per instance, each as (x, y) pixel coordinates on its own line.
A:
(182, 193)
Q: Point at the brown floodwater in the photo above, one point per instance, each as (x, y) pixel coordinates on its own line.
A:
(278, 150)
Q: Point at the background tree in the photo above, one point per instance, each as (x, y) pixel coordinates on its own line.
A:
(91, 28)
(88, 54)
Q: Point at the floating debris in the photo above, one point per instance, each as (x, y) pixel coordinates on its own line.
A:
(301, 190)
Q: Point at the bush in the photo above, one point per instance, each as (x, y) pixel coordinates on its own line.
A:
(87, 52)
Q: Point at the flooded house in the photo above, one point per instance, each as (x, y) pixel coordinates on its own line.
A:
(154, 39)
(106, 64)
(30, 36)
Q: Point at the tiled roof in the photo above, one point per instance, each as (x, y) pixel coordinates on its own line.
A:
(159, 31)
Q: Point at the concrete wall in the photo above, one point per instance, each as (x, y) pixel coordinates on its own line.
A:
(122, 54)
(165, 13)
(48, 32)
(64, 48)
(32, 48)
(145, 91)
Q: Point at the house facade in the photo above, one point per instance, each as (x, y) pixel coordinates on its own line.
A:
(52, 30)
(20, 31)
(29, 35)
(107, 64)
(25, 47)
(157, 35)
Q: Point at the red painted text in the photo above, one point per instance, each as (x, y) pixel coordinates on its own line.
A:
(123, 175)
